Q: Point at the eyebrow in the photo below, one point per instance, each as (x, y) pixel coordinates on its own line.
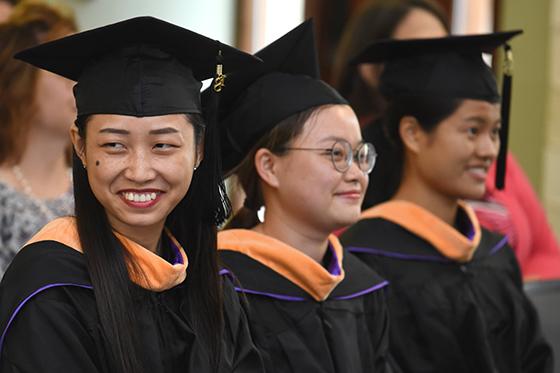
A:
(481, 120)
(159, 131)
(115, 131)
(337, 138)
(163, 131)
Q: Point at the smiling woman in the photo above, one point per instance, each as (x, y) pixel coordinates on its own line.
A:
(147, 167)
(457, 303)
(108, 290)
(296, 148)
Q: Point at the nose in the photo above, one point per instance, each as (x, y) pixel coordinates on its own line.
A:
(355, 175)
(139, 168)
(487, 147)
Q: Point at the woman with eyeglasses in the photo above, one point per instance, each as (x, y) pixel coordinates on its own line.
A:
(295, 146)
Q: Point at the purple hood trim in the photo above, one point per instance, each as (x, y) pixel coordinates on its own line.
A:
(364, 292)
(290, 298)
(20, 306)
(428, 258)
(333, 267)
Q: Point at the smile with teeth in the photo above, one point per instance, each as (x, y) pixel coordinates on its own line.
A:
(139, 197)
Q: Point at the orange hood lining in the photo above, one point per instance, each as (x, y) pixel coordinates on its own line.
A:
(419, 221)
(148, 270)
(286, 260)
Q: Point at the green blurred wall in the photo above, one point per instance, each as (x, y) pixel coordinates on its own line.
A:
(530, 88)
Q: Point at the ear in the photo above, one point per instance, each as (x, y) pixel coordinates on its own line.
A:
(265, 164)
(79, 144)
(411, 134)
(199, 154)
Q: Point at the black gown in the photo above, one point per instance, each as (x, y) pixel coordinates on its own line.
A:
(49, 321)
(451, 315)
(347, 331)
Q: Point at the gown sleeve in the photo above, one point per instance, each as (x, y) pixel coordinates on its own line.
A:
(48, 336)
(537, 352)
(241, 355)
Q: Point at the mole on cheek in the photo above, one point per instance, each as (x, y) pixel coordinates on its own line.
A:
(97, 163)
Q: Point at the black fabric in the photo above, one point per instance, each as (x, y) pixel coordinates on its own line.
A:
(306, 336)
(256, 100)
(450, 67)
(58, 329)
(448, 316)
(142, 66)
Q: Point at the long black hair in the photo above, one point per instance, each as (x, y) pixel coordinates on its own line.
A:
(246, 174)
(193, 222)
(386, 177)
(376, 20)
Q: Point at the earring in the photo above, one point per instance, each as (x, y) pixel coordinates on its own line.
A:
(195, 167)
(84, 165)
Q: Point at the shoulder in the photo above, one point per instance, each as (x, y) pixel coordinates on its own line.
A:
(251, 277)
(36, 268)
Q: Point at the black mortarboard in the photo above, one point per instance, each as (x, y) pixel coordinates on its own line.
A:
(286, 83)
(450, 67)
(139, 67)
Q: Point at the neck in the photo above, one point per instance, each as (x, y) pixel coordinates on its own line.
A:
(44, 164)
(413, 190)
(308, 241)
(146, 236)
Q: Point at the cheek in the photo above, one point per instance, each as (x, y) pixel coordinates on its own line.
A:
(177, 170)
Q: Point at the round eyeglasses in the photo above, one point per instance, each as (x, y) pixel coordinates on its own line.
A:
(342, 155)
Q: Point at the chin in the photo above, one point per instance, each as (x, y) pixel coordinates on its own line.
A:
(345, 219)
(475, 193)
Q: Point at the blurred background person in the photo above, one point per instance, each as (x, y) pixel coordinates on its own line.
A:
(6, 7)
(36, 111)
(514, 211)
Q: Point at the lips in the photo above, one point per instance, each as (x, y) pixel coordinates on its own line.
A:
(140, 198)
(350, 194)
(478, 172)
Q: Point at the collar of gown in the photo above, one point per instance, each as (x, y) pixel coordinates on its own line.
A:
(288, 261)
(451, 243)
(146, 269)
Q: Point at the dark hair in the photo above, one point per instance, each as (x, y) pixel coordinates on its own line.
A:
(30, 24)
(377, 20)
(274, 140)
(193, 222)
(386, 177)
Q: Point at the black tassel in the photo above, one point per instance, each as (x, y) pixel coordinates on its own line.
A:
(504, 132)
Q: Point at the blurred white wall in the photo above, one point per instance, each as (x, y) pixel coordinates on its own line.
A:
(273, 18)
(212, 18)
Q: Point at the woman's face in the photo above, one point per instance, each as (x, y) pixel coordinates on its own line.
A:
(55, 107)
(454, 158)
(139, 168)
(417, 24)
(310, 189)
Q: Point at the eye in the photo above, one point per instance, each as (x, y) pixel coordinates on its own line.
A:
(472, 131)
(162, 146)
(113, 146)
(338, 152)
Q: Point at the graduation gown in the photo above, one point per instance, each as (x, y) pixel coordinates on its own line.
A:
(305, 317)
(456, 300)
(49, 320)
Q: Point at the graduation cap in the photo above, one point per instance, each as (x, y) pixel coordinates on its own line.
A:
(286, 83)
(449, 67)
(142, 66)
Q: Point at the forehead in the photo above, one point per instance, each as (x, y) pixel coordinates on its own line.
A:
(97, 122)
(333, 121)
(470, 107)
